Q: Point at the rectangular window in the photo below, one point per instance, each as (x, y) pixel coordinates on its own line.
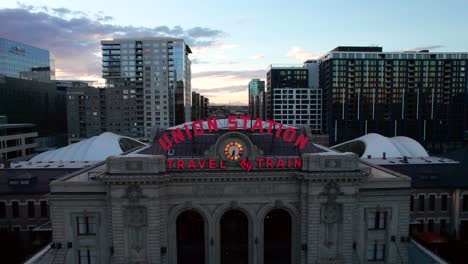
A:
(44, 209)
(443, 202)
(31, 209)
(421, 203)
(443, 226)
(431, 202)
(2, 210)
(87, 256)
(465, 203)
(411, 203)
(376, 251)
(377, 220)
(430, 225)
(420, 226)
(15, 209)
(86, 225)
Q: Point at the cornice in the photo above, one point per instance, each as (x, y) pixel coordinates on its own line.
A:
(260, 176)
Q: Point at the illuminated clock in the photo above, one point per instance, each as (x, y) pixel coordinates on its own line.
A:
(233, 150)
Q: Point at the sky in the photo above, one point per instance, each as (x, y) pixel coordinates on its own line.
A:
(232, 41)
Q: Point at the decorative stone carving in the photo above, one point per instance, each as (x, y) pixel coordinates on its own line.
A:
(188, 204)
(133, 194)
(330, 213)
(330, 224)
(234, 204)
(279, 204)
(135, 216)
(331, 190)
(135, 221)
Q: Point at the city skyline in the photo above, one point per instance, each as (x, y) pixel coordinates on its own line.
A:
(230, 50)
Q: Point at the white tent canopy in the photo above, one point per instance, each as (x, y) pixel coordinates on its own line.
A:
(375, 145)
(92, 149)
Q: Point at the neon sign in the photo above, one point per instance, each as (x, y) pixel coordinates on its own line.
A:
(259, 163)
(289, 134)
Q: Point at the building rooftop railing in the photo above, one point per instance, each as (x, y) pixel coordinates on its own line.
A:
(280, 66)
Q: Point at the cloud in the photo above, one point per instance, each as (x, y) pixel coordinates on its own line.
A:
(227, 86)
(62, 11)
(206, 62)
(216, 53)
(301, 55)
(226, 46)
(226, 89)
(204, 32)
(74, 36)
(258, 56)
(424, 48)
(248, 74)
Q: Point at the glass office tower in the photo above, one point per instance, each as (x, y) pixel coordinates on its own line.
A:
(19, 60)
(255, 88)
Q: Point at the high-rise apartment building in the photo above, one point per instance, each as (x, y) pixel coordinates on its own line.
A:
(18, 60)
(416, 94)
(158, 69)
(199, 106)
(261, 105)
(255, 88)
(92, 111)
(293, 96)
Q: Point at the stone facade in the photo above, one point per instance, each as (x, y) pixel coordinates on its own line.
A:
(128, 210)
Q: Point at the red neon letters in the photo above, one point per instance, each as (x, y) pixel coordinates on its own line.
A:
(178, 135)
(259, 163)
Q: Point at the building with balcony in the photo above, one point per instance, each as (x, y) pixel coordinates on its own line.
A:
(92, 111)
(159, 70)
(200, 105)
(293, 96)
(420, 95)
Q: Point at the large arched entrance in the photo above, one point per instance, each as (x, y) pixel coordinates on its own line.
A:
(277, 237)
(234, 238)
(190, 238)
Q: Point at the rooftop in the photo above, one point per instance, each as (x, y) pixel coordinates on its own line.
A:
(287, 66)
(5, 126)
(408, 157)
(35, 175)
(22, 44)
(358, 49)
(50, 164)
(34, 180)
(375, 145)
(105, 41)
(97, 148)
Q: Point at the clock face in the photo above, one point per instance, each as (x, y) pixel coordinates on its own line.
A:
(233, 150)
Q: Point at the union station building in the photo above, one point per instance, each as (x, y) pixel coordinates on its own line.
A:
(230, 191)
